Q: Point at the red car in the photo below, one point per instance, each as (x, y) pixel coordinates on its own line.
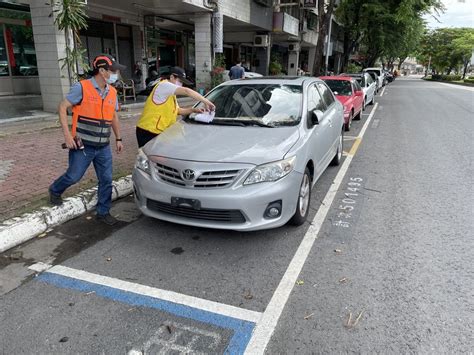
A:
(350, 94)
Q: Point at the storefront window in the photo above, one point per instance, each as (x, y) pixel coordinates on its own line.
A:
(16, 43)
(3, 55)
(20, 41)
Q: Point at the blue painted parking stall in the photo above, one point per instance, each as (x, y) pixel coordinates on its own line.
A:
(240, 321)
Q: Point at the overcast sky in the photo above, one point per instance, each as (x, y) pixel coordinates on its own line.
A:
(459, 13)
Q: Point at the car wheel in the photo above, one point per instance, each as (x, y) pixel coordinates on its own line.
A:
(338, 157)
(347, 126)
(359, 116)
(373, 100)
(304, 200)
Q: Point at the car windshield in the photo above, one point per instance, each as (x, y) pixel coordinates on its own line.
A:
(373, 75)
(267, 105)
(340, 87)
(360, 80)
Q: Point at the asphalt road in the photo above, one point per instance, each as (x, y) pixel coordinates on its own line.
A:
(390, 270)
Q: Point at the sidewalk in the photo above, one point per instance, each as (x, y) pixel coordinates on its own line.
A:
(31, 158)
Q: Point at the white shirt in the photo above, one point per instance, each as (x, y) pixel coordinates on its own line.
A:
(163, 92)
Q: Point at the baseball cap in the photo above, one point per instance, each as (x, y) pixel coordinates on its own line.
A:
(108, 62)
(181, 74)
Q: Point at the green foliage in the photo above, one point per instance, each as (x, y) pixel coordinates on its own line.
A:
(442, 77)
(71, 17)
(353, 68)
(218, 68)
(275, 67)
(388, 29)
(448, 48)
(469, 80)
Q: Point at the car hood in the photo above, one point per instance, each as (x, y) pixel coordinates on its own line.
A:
(226, 144)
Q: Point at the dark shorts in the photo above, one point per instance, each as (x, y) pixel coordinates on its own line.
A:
(144, 136)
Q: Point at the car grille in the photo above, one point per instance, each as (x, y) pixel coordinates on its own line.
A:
(205, 214)
(208, 179)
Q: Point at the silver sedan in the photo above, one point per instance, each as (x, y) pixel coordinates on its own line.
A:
(251, 165)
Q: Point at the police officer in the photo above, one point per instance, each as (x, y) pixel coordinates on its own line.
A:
(94, 106)
(161, 107)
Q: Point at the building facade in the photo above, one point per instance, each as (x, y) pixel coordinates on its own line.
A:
(148, 35)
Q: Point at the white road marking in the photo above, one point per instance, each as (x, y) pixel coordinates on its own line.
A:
(383, 91)
(170, 296)
(182, 340)
(376, 123)
(39, 267)
(264, 329)
(349, 138)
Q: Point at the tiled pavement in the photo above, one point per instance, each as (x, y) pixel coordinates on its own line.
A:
(30, 162)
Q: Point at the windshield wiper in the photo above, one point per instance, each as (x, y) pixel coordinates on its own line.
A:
(258, 123)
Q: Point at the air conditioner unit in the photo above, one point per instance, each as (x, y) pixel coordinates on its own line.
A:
(294, 47)
(261, 41)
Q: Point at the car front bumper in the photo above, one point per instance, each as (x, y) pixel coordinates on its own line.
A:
(238, 207)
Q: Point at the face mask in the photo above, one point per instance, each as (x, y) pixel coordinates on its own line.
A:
(178, 83)
(112, 79)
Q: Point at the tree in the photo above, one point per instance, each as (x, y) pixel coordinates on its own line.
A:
(325, 12)
(448, 48)
(464, 46)
(388, 29)
(71, 18)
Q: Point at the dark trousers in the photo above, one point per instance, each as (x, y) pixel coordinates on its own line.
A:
(144, 136)
(79, 161)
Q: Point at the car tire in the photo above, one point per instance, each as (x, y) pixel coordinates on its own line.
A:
(373, 101)
(359, 116)
(304, 200)
(347, 126)
(340, 148)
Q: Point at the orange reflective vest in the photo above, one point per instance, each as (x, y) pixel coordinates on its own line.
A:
(92, 117)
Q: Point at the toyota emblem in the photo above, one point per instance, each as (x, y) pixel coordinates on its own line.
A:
(189, 175)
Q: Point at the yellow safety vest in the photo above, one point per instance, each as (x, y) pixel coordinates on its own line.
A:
(158, 117)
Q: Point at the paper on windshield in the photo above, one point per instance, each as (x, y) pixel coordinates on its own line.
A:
(205, 117)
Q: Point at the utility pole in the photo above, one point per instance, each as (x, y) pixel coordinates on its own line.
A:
(328, 43)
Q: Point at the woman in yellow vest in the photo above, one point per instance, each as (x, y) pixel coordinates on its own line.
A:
(161, 108)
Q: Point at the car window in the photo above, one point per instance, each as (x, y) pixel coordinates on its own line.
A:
(315, 101)
(369, 79)
(326, 93)
(357, 86)
(269, 104)
(339, 87)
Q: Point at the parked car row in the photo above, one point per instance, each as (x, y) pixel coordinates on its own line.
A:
(356, 91)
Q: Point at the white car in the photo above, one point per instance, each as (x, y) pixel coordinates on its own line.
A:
(248, 75)
(368, 86)
(380, 74)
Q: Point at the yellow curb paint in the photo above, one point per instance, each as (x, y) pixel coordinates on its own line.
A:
(355, 146)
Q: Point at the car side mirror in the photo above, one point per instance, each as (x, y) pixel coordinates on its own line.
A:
(315, 117)
(359, 93)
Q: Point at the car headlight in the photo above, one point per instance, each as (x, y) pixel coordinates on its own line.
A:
(142, 162)
(271, 172)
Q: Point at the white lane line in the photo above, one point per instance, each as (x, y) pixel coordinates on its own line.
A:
(170, 296)
(264, 329)
(383, 90)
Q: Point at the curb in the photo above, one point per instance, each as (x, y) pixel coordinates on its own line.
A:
(18, 230)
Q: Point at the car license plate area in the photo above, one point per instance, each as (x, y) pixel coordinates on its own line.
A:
(186, 203)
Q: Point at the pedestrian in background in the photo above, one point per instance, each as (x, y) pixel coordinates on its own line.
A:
(161, 107)
(237, 71)
(94, 106)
